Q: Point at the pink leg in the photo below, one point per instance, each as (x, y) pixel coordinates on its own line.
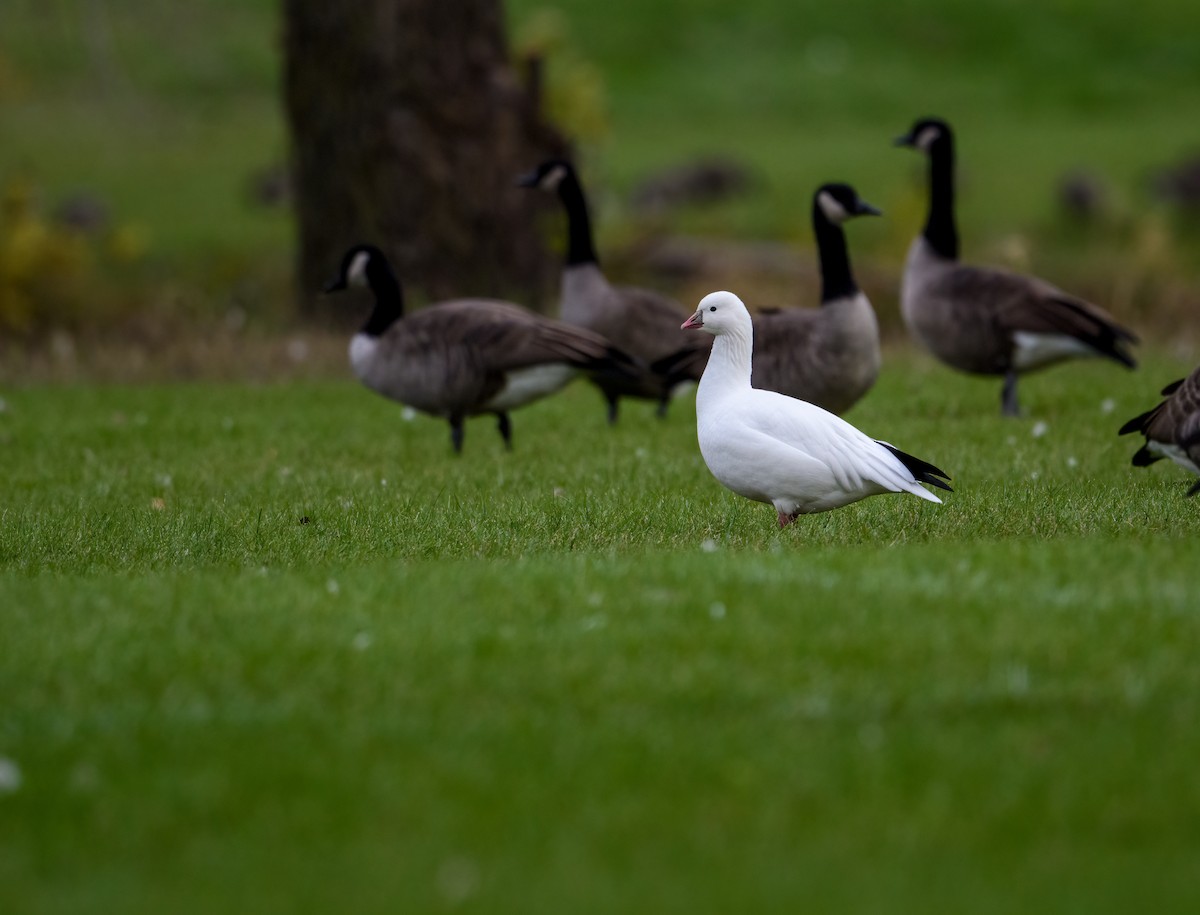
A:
(785, 520)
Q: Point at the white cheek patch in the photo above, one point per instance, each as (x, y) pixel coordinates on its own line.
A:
(926, 138)
(553, 178)
(356, 273)
(830, 206)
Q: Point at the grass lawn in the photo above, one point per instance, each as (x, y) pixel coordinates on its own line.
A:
(272, 648)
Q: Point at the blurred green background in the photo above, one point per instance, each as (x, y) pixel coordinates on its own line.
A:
(169, 117)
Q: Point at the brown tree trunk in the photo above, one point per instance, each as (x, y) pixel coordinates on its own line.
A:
(409, 128)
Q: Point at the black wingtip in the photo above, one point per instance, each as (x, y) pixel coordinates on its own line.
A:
(1118, 353)
(1172, 387)
(1144, 458)
(1137, 424)
(922, 471)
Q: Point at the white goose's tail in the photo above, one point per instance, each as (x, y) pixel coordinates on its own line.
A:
(922, 472)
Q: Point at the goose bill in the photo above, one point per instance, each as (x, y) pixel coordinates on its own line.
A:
(696, 320)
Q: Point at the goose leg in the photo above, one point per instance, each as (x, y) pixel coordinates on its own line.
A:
(1009, 405)
(661, 412)
(456, 433)
(505, 427)
(785, 520)
(612, 407)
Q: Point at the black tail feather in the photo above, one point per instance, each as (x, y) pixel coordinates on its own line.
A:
(682, 365)
(1106, 337)
(1138, 423)
(922, 471)
(615, 364)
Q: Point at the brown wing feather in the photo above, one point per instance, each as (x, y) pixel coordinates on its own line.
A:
(505, 336)
(1022, 303)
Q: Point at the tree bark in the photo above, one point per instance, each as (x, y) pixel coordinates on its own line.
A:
(409, 128)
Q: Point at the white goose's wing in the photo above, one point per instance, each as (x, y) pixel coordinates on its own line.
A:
(856, 461)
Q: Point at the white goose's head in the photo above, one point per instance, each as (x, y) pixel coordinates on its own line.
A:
(720, 313)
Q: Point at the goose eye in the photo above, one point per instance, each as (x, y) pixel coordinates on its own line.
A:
(712, 308)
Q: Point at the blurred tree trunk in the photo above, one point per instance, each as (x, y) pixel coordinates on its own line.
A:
(409, 128)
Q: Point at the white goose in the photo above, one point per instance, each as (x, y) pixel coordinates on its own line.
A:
(772, 448)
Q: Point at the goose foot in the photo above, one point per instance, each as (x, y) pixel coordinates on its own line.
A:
(456, 433)
(661, 412)
(785, 520)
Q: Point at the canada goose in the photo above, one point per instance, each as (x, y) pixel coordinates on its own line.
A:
(772, 448)
(828, 356)
(642, 323)
(988, 321)
(467, 356)
(1172, 429)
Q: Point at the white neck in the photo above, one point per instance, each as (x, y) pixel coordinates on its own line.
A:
(729, 365)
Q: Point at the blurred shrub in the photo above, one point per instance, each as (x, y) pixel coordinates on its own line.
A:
(575, 96)
(51, 271)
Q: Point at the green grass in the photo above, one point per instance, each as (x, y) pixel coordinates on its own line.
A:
(272, 647)
(581, 676)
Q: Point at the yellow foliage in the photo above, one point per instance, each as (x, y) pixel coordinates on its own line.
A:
(47, 271)
(11, 84)
(127, 243)
(576, 99)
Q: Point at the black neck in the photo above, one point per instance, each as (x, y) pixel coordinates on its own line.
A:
(579, 226)
(837, 282)
(389, 301)
(940, 230)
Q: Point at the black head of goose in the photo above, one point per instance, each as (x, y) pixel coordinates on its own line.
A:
(828, 356)
(983, 320)
(464, 357)
(1172, 429)
(643, 323)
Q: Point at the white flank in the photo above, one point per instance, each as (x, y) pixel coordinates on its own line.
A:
(1175, 453)
(524, 385)
(1035, 350)
(362, 353)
